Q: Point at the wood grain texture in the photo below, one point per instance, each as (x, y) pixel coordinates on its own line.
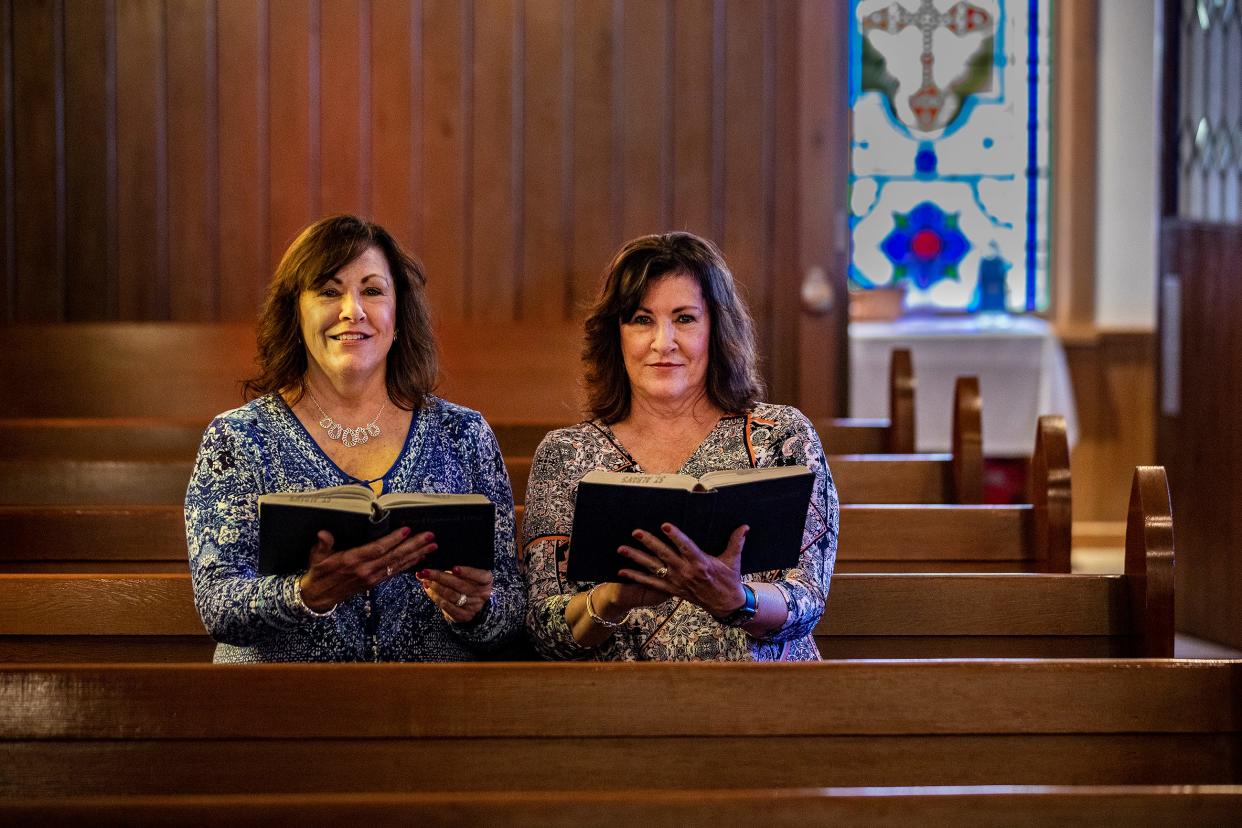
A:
(39, 289)
(90, 271)
(395, 128)
(595, 701)
(193, 151)
(244, 152)
(344, 107)
(966, 806)
(292, 124)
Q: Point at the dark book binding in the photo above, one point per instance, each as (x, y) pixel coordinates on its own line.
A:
(464, 532)
(605, 515)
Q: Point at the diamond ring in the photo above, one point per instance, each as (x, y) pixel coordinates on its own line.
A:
(661, 572)
(461, 600)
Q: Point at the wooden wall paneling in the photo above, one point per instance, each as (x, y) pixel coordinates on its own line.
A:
(747, 144)
(693, 106)
(395, 152)
(445, 161)
(823, 132)
(90, 273)
(192, 155)
(344, 107)
(293, 122)
(242, 157)
(38, 276)
(593, 232)
(7, 207)
(543, 289)
(782, 362)
(496, 159)
(645, 118)
(142, 201)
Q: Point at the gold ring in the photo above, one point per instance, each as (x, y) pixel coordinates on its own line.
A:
(661, 572)
(388, 569)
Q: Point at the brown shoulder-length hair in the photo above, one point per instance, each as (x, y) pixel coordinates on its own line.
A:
(733, 381)
(315, 256)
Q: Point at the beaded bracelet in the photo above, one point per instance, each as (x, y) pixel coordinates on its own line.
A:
(603, 622)
(301, 604)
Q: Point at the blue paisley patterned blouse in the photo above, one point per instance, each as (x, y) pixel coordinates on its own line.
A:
(262, 447)
(770, 435)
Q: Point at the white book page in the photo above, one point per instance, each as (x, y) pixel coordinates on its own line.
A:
(658, 481)
(729, 477)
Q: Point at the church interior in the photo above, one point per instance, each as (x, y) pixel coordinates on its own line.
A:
(992, 250)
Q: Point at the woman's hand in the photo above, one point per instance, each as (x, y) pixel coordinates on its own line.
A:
(681, 569)
(334, 576)
(460, 593)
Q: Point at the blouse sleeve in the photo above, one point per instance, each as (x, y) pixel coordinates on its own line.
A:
(548, 519)
(237, 605)
(499, 620)
(806, 586)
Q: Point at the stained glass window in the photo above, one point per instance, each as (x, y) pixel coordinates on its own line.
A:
(949, 151)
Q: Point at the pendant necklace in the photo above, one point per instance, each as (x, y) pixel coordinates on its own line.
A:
(349, 437)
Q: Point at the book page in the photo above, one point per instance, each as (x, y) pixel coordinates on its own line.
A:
(340, 498)
(732, 477)
(393, 500)
(658, 481)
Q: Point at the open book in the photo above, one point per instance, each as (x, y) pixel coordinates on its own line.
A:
(289, 522)
(611, 505)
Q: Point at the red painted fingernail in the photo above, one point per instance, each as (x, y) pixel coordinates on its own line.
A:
(405, 531)
(666, 526)
(456, 570)
(637, 533)
(422, 574)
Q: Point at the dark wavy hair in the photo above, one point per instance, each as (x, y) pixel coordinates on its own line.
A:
(315, 256)
(733, 381)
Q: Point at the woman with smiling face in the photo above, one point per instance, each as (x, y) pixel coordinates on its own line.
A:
(343, 396)
(672, 386)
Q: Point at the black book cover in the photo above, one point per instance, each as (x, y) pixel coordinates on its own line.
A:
(611, 505)
(464, 530)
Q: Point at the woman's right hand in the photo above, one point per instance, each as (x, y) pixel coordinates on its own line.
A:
(613, 600)
(333, 576)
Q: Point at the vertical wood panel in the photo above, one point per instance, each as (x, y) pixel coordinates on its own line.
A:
(645, 118)
(344, 104)
(782, 367)
(543, 291)
(192, 174)
(141, 223)
(496, 162)
(394, 90)
(89, 276)
(593, 151)
(444, 154)
(243, 153)
(290, 205)
(746, 124)
(39, 294)
(8, 285)
(693, 49)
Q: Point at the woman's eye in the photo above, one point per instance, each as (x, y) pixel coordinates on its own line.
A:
(640, 319)
(329, 291)
(374, 292)
(686, 319)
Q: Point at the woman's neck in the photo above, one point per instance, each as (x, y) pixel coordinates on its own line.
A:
(347, 395)
(689, 414)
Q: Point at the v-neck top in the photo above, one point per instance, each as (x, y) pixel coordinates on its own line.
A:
(262, 447)
(768, 435)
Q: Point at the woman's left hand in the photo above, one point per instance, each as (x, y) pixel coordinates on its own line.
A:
(714, 583)
(460, 593)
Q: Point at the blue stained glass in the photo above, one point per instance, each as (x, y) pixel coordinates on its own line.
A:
(949, 151)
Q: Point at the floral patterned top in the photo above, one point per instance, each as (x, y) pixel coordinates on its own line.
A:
(770, 435)
(262, 447)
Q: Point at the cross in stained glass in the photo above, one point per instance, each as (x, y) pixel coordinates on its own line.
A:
(927, 102)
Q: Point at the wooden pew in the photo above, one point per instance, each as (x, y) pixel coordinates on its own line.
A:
(151, 617)
(966, 806)
(845, 435)
(92, 730)
(874, 538)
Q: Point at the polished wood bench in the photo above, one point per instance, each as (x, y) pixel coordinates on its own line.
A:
(855, 435)
(151, 617)
(302, 729)
(979, 805)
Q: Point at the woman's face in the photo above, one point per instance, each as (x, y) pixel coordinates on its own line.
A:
(348, 321)
(665, 342)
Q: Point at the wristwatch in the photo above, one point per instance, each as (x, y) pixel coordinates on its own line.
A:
(745, 612)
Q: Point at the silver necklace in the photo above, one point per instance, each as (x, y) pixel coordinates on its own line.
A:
(349, 437)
